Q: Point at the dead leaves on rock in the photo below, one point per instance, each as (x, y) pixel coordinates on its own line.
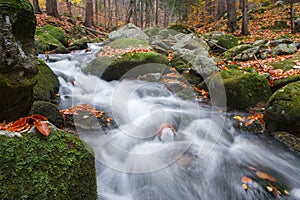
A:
(23, 125)
(111, 52)
(248, 120)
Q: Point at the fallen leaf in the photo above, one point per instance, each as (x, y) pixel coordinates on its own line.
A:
(42, 127)
(246, 179)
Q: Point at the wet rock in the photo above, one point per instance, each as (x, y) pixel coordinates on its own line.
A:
(79, 44)
(243, 90)
(284, 49)
(290, 140)
(283, 110)
(34, 165)
(128, 31)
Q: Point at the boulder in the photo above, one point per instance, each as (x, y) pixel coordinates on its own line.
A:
(128, 31)
(21, 16)
(281, 41)
(284, 49)
(59, 166)
(220, 39)
(182, 28)
(237, 50)
(190, 42)
(47, 84)
(17, 71)
(124, 43)
(283, 110)
(114, 68)
(243, 90)
(49, 110)
(50, 38)
(79, 44)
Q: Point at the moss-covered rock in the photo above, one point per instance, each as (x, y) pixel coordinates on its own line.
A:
(152, 31)
(56, 32)
(57, 167)
(47, 85)
(79, 44)
(288, 139)
(284, 49)
(236, 50)
(23, 21)
(282, 82)
(226, 41)
(243, 90)
(182, 28)
(128, 42)
(283, 110)
(49, 110)
(50, 38)
(113, 68)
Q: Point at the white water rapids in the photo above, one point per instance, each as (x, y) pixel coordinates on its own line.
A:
(206, 160)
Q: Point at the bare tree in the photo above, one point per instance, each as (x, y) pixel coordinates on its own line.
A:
(292, 16)
(69, 7)
(37, 9)
(232, 21)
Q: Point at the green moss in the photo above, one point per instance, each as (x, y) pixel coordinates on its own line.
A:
(286, 64)
(128, 42)
(56, 167)
(79, 44)
(49, 110)
(22, 17)
(45, 42)
(109, 68)
(182, 28)
(282, 82)
(243, 90)
(180, 63)
(47, 84)
(224, 40)
(283, 109)
(236, 50)
(152, 31)
(55, 32)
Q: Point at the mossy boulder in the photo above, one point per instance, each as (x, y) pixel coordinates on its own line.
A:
(55, 167)
(152, 31)
(236, 50)
(283, 110)
(182, 28)
(47, 84)
(50, 38)
(282, 82)
(128, 42)
(49, 110)
(243, 90)
(21, 15)
(79, 44)
(113, 68)
(284, 49)
(223, 40)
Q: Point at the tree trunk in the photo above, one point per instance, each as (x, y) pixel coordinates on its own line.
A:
(221, 9)
(156, 12)
(130, 12)
(37, 9)
(232, 21)
(89, 13)
(245, 30)
(51, 8)
(96, 12)
(69, 7)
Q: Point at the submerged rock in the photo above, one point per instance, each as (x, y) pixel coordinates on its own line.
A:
(283, 110)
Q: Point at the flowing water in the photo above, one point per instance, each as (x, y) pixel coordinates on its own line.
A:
(206, 160)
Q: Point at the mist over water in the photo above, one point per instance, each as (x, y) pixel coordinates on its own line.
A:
(206, 160)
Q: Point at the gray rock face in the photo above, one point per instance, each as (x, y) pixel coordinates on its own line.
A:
(128, 31)
(284, 49)
(190, 42)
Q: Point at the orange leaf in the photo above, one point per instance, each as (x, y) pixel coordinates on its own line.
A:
(42, 127)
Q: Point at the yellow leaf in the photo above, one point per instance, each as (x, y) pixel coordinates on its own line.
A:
(245, 186)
